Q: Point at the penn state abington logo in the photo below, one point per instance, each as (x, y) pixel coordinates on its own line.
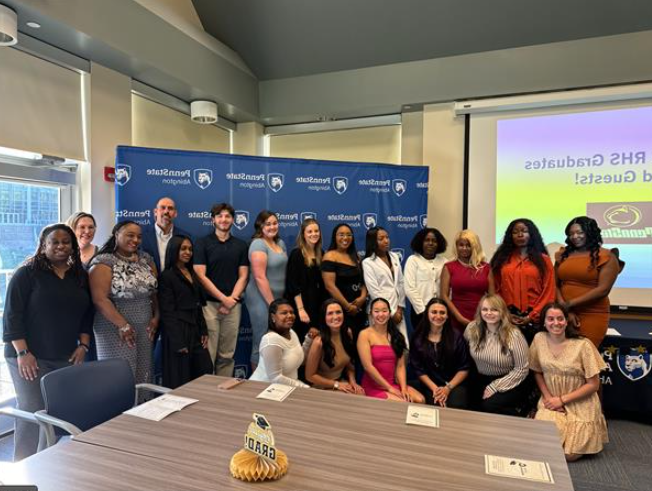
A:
(241, 219)
(203, 177)
(305, 215)
(340, 184)
(400, 253)
(369, 220)
(122, 174)
(275, 181)
(423, 219)
(399, 186)
(635, 364)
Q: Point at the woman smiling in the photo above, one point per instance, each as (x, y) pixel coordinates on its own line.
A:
(281, 354)
(566, 368)
(47, 322)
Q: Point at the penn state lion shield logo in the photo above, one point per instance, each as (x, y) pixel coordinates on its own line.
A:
(240, 371)
(635, 363)
(369, 220)
(241, 219)
(305, 215)
(275, 181)
(340, 184)
(122, 174)
(399, 186)
(423, 220)
(400, 253)
(203, 177)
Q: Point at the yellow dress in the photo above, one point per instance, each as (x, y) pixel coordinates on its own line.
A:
(582, 427)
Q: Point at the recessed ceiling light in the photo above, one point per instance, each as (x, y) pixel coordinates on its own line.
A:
(33, 25)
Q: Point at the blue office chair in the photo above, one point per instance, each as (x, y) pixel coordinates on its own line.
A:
(79, 397)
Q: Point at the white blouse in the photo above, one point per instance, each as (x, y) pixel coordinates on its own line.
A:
(422, 278)
(280, 359)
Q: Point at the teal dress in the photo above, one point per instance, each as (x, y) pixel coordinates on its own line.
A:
(256, 304)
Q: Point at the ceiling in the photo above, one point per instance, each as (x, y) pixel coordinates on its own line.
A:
(290, 38)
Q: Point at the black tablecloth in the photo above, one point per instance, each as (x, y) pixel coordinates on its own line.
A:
(627, 382)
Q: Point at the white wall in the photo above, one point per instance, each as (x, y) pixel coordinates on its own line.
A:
(381, 144)
(110, 126)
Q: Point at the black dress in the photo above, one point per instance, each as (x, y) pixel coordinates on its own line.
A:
(182, 326)
(429, 359)
(349, 281)
(307, 281)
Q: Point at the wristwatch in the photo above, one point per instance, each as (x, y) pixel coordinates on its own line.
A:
(336, 385)
(449, 386)
(22, 353)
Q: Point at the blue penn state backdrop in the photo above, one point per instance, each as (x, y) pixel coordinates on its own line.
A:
(362, 195)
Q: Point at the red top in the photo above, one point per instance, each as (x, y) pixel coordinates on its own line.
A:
(521, 285)
(467, 286)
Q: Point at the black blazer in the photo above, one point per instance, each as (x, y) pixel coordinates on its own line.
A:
(180, 304)
(150, 244)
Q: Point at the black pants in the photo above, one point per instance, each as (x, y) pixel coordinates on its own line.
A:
(415, 318)
(181, 368)
(459, 397)
(512, 403)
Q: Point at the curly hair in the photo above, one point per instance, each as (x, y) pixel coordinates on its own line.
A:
(536, 248)
(417, 241)
(39, 260)
(593, 239)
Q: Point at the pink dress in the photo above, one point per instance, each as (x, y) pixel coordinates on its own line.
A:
(384, 359)
(467, 285)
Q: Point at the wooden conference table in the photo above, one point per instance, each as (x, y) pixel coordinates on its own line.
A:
(334, 441)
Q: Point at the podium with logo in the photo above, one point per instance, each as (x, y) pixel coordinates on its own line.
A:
(627, 382)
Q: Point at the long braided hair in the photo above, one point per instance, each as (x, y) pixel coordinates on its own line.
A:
(593, 239)
(39, 261)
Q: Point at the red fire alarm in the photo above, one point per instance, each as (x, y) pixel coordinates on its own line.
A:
(109, 174)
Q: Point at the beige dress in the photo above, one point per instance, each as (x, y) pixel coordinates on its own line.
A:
(341, 360)
(582, 427)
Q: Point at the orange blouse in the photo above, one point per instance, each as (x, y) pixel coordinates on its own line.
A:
(521, 285)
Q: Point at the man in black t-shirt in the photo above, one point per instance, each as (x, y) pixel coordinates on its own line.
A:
(222, 265)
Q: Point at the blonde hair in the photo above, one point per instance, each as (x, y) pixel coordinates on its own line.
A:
(477, 330)
(304, 247)
(477, 254)
(73, 219)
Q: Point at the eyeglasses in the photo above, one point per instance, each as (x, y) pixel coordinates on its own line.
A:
(345, 236)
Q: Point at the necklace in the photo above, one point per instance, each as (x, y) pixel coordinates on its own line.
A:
(60, 271)
(131, 258)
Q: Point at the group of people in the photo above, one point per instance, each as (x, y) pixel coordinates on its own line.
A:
(326, 319)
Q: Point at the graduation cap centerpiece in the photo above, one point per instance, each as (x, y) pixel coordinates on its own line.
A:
(259, 460)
